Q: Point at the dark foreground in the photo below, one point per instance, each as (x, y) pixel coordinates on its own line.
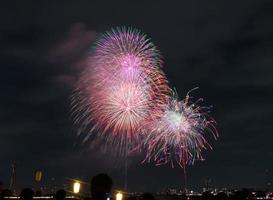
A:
(204, 196)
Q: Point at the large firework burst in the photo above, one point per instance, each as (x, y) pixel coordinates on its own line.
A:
(120, 88)
(178, 134)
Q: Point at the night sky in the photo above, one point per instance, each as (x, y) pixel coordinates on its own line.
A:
(224, 47)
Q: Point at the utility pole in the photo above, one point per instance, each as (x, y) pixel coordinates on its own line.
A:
(267, 179)
(13, 176)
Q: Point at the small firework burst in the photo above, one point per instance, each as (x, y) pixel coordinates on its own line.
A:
(178, 134)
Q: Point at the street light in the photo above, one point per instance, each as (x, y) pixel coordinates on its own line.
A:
(76, 187)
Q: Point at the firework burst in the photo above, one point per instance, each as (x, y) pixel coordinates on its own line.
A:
(120, 89)
(178, 134)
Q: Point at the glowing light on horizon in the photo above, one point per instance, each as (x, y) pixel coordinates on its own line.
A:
(76, 187)
(119, 196)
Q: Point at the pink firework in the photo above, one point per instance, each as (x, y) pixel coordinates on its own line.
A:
(178, 134)
(120, 89)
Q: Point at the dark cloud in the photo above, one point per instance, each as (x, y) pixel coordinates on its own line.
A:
(225, 48)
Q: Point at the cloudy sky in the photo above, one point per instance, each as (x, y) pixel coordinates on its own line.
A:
(224, 47)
